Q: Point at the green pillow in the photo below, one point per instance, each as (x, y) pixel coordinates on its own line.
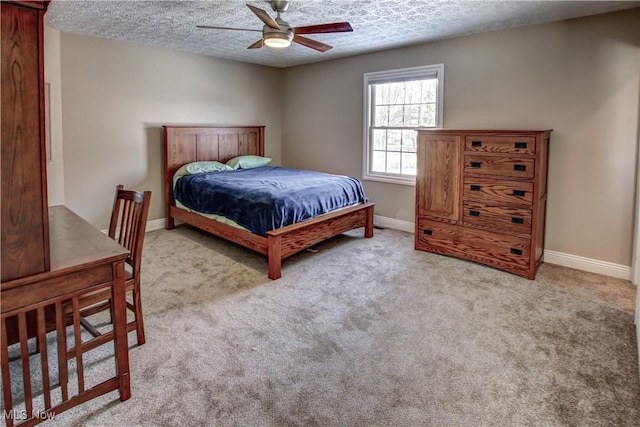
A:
(200, 167)
(248, 162)
(206, 166)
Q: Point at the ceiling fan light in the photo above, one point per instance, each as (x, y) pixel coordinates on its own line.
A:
(278, 40)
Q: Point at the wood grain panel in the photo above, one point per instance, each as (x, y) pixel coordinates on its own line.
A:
(185, 150)
(16, 298)
(502, 251)
(322, 228)
(24, 232)
(539, 242)
(500, 144)
(543, 165)
(239, 236)
(207, 147)
(501, 219)
(491, 191)
(439, 176)
(248, 144)
(229, 147)
(502, 166)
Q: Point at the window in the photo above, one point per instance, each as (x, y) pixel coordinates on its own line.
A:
(396, 104)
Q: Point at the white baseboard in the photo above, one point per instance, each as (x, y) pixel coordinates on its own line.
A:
(396, 224)
(155, 224)
(552, 257)
(588, 264)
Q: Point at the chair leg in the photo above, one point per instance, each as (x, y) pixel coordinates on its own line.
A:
(137, 302)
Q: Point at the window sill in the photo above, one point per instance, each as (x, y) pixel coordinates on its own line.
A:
(391, 179)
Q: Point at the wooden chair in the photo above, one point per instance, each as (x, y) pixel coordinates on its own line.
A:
(127, 227)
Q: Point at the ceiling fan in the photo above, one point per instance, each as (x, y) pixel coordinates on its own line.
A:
(277, 33)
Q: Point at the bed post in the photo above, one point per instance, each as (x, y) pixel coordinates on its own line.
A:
(168, 180)
(169, 222)
(368, 228)
(274, 254)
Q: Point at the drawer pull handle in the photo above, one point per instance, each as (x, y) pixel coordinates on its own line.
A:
(474, 213)
(516, 251)
(520, 168)
(476, 164)
(427, 232)
(476, 143)
(476, 188)
(519, 193)
(520, 145)
(516, 220)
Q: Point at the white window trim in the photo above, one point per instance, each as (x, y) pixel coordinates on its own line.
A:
(387, 76)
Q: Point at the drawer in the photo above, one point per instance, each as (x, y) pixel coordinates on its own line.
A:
(503, 166)
(492, 192)
(507, 220)
(500, 144)
(498, 250)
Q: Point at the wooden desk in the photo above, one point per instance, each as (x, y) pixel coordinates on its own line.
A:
(82, 260)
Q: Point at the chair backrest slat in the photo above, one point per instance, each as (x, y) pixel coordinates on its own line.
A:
(128, 222)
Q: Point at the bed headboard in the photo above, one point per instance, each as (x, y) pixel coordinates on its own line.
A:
(185, 144)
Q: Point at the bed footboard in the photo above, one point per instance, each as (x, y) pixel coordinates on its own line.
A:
(286, 241)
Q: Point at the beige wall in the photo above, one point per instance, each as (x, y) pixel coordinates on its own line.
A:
(116, 96)
(578, 77)
(55, 158)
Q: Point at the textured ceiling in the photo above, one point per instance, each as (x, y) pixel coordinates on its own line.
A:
(377, 24)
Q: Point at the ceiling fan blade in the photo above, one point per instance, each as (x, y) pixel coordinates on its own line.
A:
(257, 45)
(311, 43)
(264, 17)
(209, 27)
(336, 27)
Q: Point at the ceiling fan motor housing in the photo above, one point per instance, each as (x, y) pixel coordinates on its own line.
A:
(279, 5)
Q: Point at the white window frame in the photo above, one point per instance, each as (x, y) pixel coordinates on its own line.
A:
(427, 72)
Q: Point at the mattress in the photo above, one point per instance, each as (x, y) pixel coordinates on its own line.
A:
(266, 198)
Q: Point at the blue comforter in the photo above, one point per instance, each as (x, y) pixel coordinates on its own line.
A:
(266, 198)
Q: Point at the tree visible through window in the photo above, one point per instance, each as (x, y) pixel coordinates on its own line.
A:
(397, 104)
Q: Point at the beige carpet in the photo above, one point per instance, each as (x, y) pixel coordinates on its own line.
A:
(369, 332)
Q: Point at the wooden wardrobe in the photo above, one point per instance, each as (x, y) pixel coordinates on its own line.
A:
(481, 195)
(24, 207)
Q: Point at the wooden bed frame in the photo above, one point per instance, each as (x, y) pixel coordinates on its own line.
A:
(189, 144)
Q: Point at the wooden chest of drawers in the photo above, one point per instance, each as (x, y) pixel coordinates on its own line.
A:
(481, 195)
